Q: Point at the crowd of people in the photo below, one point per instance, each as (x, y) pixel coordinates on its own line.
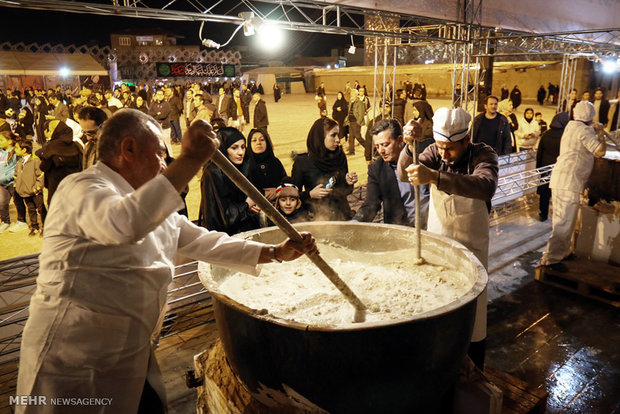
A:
(54, 133)
(59, 129)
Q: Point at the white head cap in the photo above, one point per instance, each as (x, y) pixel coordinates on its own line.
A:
(584, 111)
(450, 125)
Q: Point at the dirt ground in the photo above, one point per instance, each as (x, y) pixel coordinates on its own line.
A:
(290, 119)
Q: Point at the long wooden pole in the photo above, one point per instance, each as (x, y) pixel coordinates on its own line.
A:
(416, 189)
(270, 211)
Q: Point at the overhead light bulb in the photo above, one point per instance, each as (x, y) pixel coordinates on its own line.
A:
(610, 65)
(352, 47)
(249, 28)
(270, 37)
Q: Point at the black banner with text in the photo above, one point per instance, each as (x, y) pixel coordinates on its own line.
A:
(172, 69)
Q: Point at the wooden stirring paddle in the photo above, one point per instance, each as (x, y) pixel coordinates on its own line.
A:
(270, 211)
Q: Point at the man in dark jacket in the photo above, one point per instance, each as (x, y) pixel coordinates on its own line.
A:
(384, 188)
(399, 106)
(176, 108)
(90, 119)
(540, 95)
(547, 154)
(492, 128)
(160, 110)
(246, 99)
(261, 121)
(60, 111)
(601, 105)
(224, 104)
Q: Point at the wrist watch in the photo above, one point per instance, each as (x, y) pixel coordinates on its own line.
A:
(272, 254)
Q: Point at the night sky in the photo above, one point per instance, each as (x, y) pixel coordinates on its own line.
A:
(28, 26)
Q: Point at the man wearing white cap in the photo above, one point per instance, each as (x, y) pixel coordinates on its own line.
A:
(578, 147)
(463, 178)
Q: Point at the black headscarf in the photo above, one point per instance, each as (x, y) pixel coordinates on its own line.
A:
(228, 136)
(266, 169)
(324, 159)
(222, 203)
(529, 121)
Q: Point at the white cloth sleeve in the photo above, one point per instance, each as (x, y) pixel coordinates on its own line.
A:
(109, 218)
(218, 248)
(590, 142)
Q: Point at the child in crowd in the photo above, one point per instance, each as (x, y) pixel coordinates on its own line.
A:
(288, 202)
(8, 161)
(541, 122)
(29, 184)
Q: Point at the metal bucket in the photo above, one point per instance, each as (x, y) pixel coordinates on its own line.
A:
(376, 367)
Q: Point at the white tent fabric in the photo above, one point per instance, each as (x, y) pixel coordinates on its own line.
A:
(39, 64)
(534, 16)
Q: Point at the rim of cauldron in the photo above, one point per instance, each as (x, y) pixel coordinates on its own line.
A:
(453, 306)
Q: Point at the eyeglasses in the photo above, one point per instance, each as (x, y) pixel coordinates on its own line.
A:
(91, 133)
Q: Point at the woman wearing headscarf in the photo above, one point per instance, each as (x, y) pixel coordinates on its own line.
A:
(60, 155)
(340, 110)
(505, 108)
(223, 206)
(529, 131)
(266, 169)
(323, 173)
(25, 121)
(40, 110)
(547, 154)
(515, 97)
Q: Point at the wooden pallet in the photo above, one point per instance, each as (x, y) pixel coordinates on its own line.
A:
(594, 280)
(519, 397)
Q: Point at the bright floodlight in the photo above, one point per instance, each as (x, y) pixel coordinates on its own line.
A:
(270, 38)
(610, 65)
(64, 72)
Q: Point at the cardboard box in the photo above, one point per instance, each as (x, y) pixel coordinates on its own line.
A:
(599, 236)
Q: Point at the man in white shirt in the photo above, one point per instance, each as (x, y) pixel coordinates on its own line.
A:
(111, 237)
(578, 147)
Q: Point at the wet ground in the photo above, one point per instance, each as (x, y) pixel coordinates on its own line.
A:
(561, 342)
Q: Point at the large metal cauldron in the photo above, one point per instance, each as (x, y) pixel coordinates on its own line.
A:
(379, 367)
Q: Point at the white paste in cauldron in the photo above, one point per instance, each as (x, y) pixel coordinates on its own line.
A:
(388, 283)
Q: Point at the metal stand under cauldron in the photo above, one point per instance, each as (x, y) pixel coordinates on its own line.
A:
(220, 391)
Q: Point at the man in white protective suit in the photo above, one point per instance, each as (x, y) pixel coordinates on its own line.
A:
(579, 145)
(111, 237)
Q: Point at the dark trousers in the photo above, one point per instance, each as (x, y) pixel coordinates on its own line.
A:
(368, 147)
(150, 403)
(175, 132)
(543, 204)
(6, 193)
(35, 204)
(355, 133)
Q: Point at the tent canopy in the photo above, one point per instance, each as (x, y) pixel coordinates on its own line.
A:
(39, 64)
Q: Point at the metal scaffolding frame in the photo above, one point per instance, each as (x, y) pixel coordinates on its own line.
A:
(321, 17)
